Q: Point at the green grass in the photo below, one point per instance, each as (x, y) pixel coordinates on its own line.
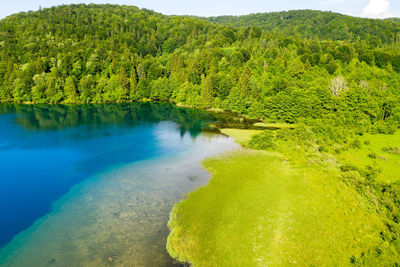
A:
(275, 125)
(373, 155)
(261, 210)
(241, 136)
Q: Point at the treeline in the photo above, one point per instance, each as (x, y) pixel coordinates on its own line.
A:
(107, 53)
(321, 24)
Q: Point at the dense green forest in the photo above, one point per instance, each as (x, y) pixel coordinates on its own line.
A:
(319, 24)
(106, 53)
(336, 77)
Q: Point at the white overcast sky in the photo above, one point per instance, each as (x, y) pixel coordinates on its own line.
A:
(362, 8)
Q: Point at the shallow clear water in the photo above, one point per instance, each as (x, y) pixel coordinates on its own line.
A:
(93, 185)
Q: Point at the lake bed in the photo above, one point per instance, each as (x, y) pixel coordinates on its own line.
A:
(118, 215)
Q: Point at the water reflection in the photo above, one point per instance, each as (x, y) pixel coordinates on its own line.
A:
(92, 185)
(46, 149)
(56, 117)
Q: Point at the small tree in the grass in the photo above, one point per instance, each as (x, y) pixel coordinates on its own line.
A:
(338, 85)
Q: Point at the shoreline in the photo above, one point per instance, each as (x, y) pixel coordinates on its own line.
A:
(173, 213)
(269, 208)
(120, 214)
(232, 116)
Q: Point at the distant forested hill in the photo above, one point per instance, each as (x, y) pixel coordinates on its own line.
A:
(324, 25)
(335, 76)
(110, 53)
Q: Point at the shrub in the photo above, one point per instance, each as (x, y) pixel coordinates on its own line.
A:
(370, 173)
(355, 144)
(347, 168)
(262, 141)
(383, 127)
(392, 150)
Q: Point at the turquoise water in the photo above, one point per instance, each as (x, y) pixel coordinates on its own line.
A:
(92, 185)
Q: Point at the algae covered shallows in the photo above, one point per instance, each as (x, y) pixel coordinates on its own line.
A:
(118, 216)
(135, 161)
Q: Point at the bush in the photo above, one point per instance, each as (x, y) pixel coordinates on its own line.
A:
(323, 149)
(370, 173)
(392, 150)
(383, 127)
(355, 144)
(262, 141)
(347, 168)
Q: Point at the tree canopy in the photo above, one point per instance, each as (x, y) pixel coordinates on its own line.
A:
(321, 24)
(109, 53)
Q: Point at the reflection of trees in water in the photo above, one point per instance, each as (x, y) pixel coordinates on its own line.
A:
(53, 117)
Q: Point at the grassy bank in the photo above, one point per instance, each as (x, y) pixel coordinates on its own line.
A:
(270, 209)
(379, 151)
(241, 136)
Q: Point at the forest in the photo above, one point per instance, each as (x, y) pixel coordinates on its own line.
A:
(107, 53)
(321, 24)
(336, 77)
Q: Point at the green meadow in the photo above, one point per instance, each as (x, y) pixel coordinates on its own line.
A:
(277, 209)
(241, 136)
(275, 125)
(379, 151)
(312, 185)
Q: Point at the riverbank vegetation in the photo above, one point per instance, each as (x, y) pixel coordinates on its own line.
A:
(241, 136)
(106, 53)
(296, 205)
(323, 88)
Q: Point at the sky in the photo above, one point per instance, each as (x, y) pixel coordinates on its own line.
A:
(360, 8)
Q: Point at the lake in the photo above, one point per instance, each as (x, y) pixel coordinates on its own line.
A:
(93, 185)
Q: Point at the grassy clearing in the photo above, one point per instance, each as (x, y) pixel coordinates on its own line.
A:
(241, 136)
(275, 125)
(261, 210)
(378, 151)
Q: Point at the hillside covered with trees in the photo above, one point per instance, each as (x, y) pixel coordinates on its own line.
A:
(108, 53)
(105, 53)
(336, 77)
(321, 24)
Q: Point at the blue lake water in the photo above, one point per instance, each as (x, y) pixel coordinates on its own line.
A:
(91, 185)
